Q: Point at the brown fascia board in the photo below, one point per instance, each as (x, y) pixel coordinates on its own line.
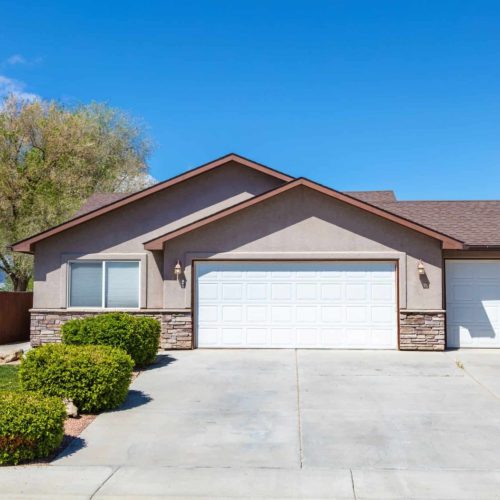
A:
(482, 247)
(448, 242)
(26, 245)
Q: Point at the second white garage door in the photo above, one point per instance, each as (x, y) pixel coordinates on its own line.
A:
(296, 304)
(473, 303)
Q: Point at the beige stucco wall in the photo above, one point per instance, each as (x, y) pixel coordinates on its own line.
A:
(303, 224)
(121, 234)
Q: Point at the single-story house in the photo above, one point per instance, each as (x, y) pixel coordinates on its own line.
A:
(234, 254)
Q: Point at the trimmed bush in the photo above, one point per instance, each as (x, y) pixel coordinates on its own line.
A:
(96, 378)
(31, 426)
(139, 336)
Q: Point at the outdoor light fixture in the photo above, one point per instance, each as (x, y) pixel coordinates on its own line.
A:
(421, 268)
(178, 269)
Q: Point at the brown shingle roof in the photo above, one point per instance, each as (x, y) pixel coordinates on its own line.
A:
(373, 196)
(98, 200)
(474, 222)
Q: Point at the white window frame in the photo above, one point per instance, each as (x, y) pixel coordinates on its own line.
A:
(103, 263)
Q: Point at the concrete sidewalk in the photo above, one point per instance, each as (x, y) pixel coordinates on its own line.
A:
(86, 482)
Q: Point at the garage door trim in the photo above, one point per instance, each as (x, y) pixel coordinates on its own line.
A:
(194, 340)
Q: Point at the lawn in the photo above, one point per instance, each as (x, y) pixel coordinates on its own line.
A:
(9, 380)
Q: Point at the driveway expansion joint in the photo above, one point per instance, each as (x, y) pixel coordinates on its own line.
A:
(301, 453)
(113, 472)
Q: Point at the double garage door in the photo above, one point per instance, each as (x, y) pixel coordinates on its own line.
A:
(296, 304)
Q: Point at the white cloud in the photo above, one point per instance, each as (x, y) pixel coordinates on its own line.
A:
(15, 87)
(16, 59)
(20, 60)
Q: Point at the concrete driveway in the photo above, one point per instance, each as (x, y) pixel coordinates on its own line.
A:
(286, 423)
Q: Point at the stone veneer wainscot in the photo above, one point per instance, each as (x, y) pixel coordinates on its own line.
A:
(422, 330)
(176, 326)
(419, 330)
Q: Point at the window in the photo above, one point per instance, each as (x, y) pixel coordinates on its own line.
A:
(106, 284)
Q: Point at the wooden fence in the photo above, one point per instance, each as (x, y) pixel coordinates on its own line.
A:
(15, 316)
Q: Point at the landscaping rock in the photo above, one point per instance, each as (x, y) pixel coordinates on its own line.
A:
(71, 409)
(10, 357)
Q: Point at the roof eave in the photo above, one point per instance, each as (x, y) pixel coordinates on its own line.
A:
(481, 247)
(453, 245)
(22, 247)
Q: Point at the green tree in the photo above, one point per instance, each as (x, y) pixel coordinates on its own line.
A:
(52, 158)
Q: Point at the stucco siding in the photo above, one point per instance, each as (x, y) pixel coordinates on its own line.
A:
(303, 224)
(121, 233)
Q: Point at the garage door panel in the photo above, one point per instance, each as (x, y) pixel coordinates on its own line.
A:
(281, 314)
(358, 337)
(461, 292)
(333, 337)
(332, 314)
(381, 314)
(306, 291)
(208, 314)
(282, 337)
(281, 291)
(231, 313)
(257, 314)
(382, 337)
(257, 291)
(208, 291)
(210, 336)
(296, 304)
(356, 314)
(331, 291)
(232, 336)
(381, 292)
(355, 292)
(306, 314)
(492, 311)
(307, 337)
(256, 337)
(473, 303)
(232, 291)
(306, 274)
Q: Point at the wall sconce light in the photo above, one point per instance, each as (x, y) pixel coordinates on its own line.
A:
(178, 269)
(421, 268)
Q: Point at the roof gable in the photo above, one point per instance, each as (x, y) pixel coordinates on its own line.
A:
(447, 241)
(118, 201)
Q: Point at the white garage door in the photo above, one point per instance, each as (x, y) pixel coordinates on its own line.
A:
(473, 303)
(296, 304)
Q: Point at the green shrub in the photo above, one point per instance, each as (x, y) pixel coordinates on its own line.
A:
(137, 335)
(31, 426)
(96, 378)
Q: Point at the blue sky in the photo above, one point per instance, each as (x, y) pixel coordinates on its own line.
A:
(379, 94)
